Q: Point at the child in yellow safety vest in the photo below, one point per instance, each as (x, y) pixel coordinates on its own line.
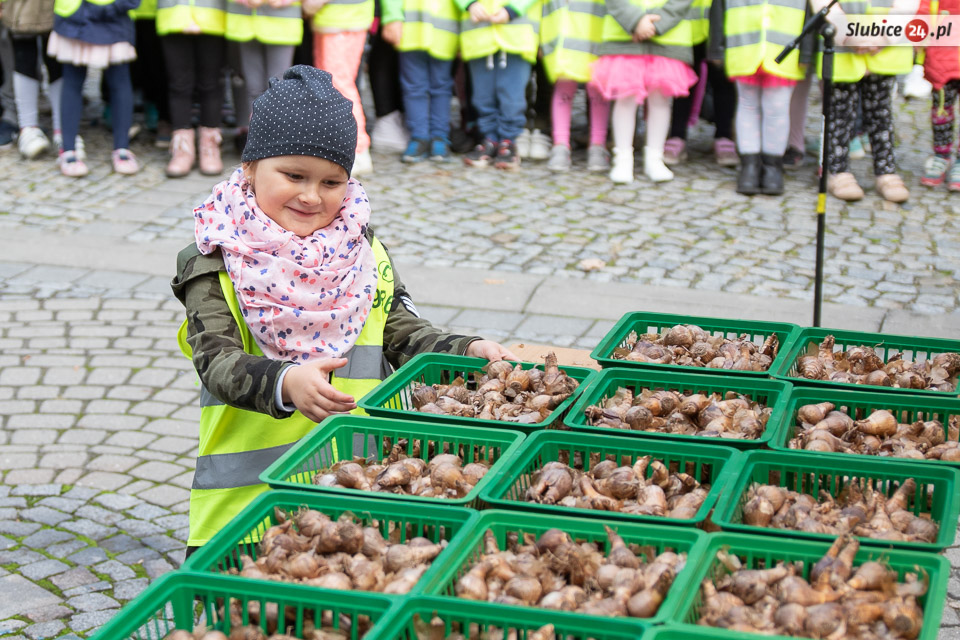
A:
(293, 307)
(646, 55)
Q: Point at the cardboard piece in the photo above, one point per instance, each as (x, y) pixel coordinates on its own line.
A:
(565, 355)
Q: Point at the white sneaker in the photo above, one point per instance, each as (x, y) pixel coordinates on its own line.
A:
(540, 145)
(559, 158)
(621, 171)
(362, 164)
(915, 85)
(32, 142)
(523, 144)
(80, 151)
(653, 165)
(390, 133)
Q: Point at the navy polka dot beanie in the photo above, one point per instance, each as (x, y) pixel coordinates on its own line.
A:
(302, 115)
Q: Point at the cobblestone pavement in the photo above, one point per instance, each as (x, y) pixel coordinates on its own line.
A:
(98, 409)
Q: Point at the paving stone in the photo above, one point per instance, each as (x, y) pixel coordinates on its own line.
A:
(61, 504)
(92, 602)
(172, 522)
(43, 569)
(93, 587)
(20, 556)
(149, 512)
(135, 556)
(116, 569)
(44, 629)
(129, 589)
(65, 549)
(6, 543)
(46, 537)
(156, 471)
(49, 612)
(162, 543)
(120, 543)
(91, 619)
(18, 528)
(44, 515)
(80, 493)
(88, 528)
(19, 596)
(18, 476)
(157, 567)
(74, 578)
(98, 515)
(37, 490)
(104, 481)
(88, 556)
(117, 502)
(165, 496)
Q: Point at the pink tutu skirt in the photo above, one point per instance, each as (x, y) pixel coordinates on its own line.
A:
(84, 54)
(622, 76)
(764, 79)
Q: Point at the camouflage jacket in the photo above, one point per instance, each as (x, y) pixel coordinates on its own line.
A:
(249, 382)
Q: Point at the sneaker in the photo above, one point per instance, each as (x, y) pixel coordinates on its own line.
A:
(440, 150)
(674, 151)
(390, 134)
(362, 164)
(72, 166)
(793, 158)
(598, 158)
(8, 133)
(78, 145)
(482, 155)
(559, 158)
(124, 162)
(523, 144)
(32, 142)
(725, 152)
(856, 148)
(953, 177)
(891, 188)
(540, 145)
(935, 170)
(915, 85)
(417, 150)
(844, 186)
(507, 157)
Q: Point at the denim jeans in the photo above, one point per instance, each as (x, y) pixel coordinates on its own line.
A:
(427, 88)
(499, 95)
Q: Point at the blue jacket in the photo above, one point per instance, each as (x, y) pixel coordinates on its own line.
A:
(98, 23)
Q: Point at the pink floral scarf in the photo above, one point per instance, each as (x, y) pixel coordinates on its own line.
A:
(302, 297)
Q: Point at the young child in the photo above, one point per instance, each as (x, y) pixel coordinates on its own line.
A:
(764, 87)
(293, 307)
(426, 34)
(339, 35)
(498, 42)
(570, 33)
(645, 56)
(98, 35)
(941, 67)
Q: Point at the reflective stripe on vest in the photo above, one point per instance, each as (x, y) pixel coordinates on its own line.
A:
(266, 24)
(570, 33)
(849, 66)
(756, 33)
(175, 16)
(236, 445)
(432, 26)
(520, 36)
(350, 15)
(66, 8)
(681, 35)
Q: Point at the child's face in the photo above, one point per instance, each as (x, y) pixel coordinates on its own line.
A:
(300, 193)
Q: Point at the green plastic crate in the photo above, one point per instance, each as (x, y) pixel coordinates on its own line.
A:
(707, 463)
(761, 552)
(912, 348)
(181, 600)
(459, 616)
(392, 398)
(343, 437)
(937, 491)
(241, 536)
(772, 393)
(648, 322)
(859, 404)
(469, 548)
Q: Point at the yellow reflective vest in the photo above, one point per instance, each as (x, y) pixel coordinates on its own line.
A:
(66, 8)
(684, 34)
(175, 16)
(428, 25)
(519, 36)
(146, 11)
(849, 66)
(344, 15)
(570, 31)
(266, 24)
(756, 31)
(237, 445)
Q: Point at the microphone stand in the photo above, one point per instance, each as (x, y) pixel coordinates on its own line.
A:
(819, 22)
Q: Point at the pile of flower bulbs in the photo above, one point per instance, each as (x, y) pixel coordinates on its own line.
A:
(626, 489)
(836, 600)
(665, 411)
(436, 629)
(861, 365)
(690, 346)
(555, 572)
(861, 511)
(822, 427)
(504, 392)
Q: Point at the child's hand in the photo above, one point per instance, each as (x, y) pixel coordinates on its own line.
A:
(392, 32)
(307, 386)
(311, 7)
(645, 29)
(478, 13)
(502, 16)
(489, 350)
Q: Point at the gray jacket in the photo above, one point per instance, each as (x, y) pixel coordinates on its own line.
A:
(628, 15)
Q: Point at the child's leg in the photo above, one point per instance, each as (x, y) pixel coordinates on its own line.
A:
(875, 97)
(842, 120)
(775, 120)
(658, 119)
(72, 104)
(179, 61)
(26, 80)
(209, 52)
(798, 112)
(748, 119)
(561, 108)
(599, 116)
(441, 90)
(483, 97)
(340, 54)
(510, 82)
(415, 83)
(121, 103)
(279, 58)
(941, 120)
(624, 122)
(253, 64)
